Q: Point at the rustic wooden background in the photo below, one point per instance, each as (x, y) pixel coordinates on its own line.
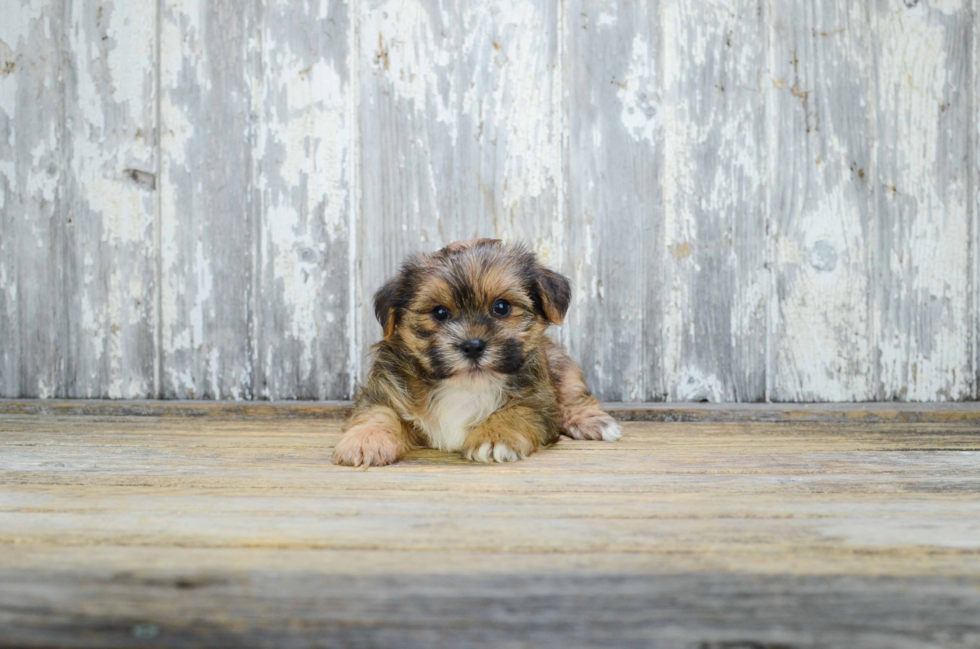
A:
(755, 200)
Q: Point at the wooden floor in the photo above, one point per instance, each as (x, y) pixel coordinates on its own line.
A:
(847, 529)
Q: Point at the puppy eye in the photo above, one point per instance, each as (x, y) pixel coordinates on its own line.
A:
(501, 308)
(440, 313)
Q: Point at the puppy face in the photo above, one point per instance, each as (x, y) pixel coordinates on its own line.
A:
(474, 308)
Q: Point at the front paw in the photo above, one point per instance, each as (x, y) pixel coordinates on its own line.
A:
(493, 452)
(367, 446)
(593, 424)
(496, 447)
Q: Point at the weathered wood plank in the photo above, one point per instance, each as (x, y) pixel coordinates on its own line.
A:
(208, 218)
(654, 459)
(199, 566)
(34, 325)
(922, 230)
(460, 137)
(714, 192)
(509, 130)
(110, 80)
(614, 224)
(303, 157)
(172, 531)
(271, 523)
(822, 199)
(665, 412)
(299, 609)
(974, 188)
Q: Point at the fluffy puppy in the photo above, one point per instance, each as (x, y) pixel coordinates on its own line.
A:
(465, 364)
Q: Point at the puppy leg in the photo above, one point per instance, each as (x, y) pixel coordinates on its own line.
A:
(582, 414)
(507, 435)
(373, 437)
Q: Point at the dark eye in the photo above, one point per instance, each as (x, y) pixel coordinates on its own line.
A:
(440, 313)
(501, 308)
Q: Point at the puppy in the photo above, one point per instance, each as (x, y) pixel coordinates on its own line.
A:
(465, 364)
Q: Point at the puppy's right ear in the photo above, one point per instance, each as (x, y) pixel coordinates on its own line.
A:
(386, 303)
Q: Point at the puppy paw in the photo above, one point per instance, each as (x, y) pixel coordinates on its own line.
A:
(366, 446)
(594, 425)
(493, 452)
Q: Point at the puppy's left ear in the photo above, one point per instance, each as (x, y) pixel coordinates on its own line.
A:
(554, 293)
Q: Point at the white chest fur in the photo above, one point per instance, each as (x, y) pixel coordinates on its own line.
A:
(457, 407)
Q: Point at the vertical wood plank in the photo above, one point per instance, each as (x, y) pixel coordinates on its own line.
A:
(614, 196)
(975, 191)
(207, 219)
(714, 187)
(110, 184)
(822, 199)
(509, 124)
(460, 114)
(923, 225)
(974, 195)
(33, 322)
(303, 151)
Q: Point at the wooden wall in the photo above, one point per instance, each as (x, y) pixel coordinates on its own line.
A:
(754, 199)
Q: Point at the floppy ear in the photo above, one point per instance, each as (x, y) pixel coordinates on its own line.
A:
(554, 292)
(385, 303)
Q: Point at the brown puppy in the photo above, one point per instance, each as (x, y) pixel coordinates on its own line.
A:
(465, 364)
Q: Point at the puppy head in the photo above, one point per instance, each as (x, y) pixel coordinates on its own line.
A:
(473, 308)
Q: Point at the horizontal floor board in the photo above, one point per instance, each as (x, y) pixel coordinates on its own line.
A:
(680, 412)
(237, 530)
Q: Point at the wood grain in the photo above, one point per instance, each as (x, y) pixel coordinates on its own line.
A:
(543, 610)
(974, 186)
(110, 186)
(303, 153)
(912, 413)
(822, 199)
(714, 324)
(34, 324)
(208, 218)
(615, 214)
(239, 531)
(923, 223)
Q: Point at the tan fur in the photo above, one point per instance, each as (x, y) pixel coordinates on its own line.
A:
(517, 395)
(582, 414)
(373, 437)
(508, 435)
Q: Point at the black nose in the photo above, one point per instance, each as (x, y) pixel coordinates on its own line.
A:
(473, 348)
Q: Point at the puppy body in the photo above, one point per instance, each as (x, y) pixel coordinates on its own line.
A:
(465, 364)
(458, 406)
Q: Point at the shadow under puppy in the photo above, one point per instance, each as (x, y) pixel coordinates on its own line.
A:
(465, 364)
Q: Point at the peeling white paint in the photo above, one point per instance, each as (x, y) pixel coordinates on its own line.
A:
(481, 120)
(637, 92)
(949, 7)
(924, 347)
(713, 196)
(19, 20)
(41, 185)
(400, 40)
(313, 136)
(694, 385)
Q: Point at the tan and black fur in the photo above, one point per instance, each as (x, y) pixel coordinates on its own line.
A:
(465, 364)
